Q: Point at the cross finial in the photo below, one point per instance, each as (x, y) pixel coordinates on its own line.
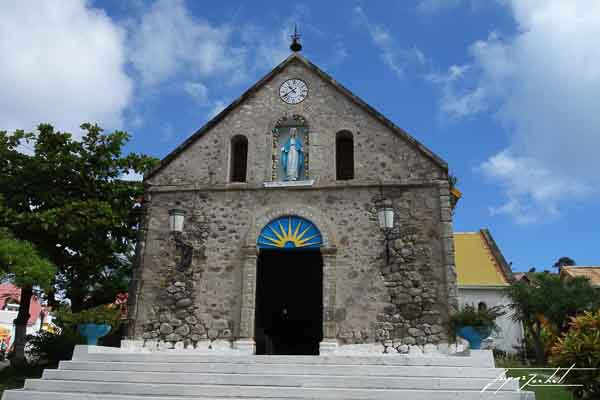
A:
(295, 46)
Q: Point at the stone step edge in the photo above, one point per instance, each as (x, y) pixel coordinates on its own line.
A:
(475, 357)
(369, 385)
(44, 395)
(270, 375)
(265, 358)
(273, 375)
(358, 367)
(424, 362)
(390, 373)
(215, 386)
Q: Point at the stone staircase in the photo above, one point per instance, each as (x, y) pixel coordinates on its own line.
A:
(102, 373)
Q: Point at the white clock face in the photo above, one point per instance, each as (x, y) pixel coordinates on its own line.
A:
(293, 91)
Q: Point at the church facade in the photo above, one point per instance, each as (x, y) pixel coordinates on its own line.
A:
(261, 231)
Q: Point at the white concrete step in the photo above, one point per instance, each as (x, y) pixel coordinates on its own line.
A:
(280, 369)
(288, 380)
(182, 357)
(399, 395)
(89, 391)
(108, 374)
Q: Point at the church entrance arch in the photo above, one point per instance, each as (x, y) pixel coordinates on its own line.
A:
(293, 247)
(289, 288)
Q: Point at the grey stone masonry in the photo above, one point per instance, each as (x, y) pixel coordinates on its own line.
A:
(200, 285)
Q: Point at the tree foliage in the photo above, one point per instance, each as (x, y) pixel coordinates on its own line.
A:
(21, 264)
(548, 302)
(68, 198)
(564, 262)
(580, 346)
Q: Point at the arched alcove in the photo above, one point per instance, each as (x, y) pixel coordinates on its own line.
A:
(290, 232)
(282, 130)
(289, 287)
(323, 249)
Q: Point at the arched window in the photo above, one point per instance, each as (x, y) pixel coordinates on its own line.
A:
(239, 158)
(344, 155)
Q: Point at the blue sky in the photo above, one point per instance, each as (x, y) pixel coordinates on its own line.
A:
(506, 91)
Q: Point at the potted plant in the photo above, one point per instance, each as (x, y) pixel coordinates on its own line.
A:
(93, 323)
(474, 325)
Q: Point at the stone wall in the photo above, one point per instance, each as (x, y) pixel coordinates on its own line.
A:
(196, 295)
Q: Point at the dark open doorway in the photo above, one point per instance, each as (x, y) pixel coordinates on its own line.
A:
(289, 302)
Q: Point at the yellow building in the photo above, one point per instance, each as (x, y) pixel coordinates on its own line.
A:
(483, 274)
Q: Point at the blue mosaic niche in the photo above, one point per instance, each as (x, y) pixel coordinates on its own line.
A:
(290, 232)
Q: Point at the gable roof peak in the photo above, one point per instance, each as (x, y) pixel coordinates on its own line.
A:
(296, 56)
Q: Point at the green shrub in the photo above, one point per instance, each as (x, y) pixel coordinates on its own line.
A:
(50, 348)
(483, 320)
(53, 347)
(580, 346)
(104, 314)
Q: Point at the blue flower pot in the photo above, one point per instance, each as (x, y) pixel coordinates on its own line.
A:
(93, 332)
(473, 335)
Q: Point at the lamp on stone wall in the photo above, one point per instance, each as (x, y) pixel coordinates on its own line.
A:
(176, 217)
(385, 214)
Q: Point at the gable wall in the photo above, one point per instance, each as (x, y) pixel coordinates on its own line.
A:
(379, 152)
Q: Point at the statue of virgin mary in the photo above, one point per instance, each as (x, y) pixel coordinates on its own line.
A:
(292, 157)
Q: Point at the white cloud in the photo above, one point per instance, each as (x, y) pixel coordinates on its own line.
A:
(272, 45)
(62, 63)
(430, 6)
(433, 6)
(218, 106)
(339, 52)
(198, 91)
(131, 175)
(395, 58)
(269, 47)
(533, 191)
(543, 85)
(168, 41)
(171, 46)
(67, 62)
(458, 100)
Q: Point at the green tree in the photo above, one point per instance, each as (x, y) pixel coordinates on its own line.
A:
(68, 198)
(22, 265)
(580, 346)
(548, 298)
(564, 262)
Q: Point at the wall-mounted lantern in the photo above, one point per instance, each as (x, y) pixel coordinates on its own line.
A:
(385, 214)
(176, 218)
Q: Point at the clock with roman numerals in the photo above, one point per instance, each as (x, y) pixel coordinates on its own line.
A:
(293, 91)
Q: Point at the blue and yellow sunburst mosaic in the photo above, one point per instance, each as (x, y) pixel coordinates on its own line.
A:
(290, 232)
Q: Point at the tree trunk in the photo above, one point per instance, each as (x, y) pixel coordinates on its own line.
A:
(76, 296)
(53, 303)
(20, 322)
(540, 354)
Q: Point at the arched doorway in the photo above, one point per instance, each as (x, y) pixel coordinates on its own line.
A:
(289, 288)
